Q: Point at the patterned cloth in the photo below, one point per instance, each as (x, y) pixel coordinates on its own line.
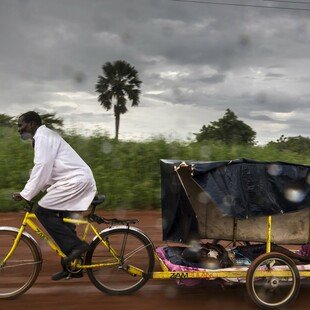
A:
(304, 250)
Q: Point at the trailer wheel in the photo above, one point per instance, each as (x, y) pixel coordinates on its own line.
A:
(269, 290)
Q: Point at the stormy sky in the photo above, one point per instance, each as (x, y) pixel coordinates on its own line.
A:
(195, 60)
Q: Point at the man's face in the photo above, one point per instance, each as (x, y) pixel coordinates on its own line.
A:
(25, 129)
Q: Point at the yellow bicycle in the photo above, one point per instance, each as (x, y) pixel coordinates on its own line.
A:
(120, 261)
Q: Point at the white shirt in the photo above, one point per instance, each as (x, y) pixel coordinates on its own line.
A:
(55, 164)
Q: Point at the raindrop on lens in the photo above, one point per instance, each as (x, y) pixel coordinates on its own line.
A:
(203, 198)
(164, 223)
(294, 194)
(194, 243)
(195, 246)
(106, 147)
(228, 200)
(117, 164)
(79, 76)
(26, 136)
(205, 152)
(76, 216)
(171, 292)
(274, 169)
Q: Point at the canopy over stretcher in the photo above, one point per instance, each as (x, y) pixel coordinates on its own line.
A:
(229, 200)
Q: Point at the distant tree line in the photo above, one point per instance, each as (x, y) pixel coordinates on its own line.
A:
(228, 130)
(297, 144)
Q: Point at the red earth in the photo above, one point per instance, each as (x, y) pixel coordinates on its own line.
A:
(156, 294)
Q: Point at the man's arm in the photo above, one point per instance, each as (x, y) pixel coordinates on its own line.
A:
(44, 156)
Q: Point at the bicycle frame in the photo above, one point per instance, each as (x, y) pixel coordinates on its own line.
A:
(28, 221)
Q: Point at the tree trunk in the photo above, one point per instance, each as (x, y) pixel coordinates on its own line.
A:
(117, 119)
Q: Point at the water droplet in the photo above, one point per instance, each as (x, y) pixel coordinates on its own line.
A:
(205, 152)
(173, 149)
(117, 164)
(171, 292)
(164, 223)
(79, 76)
(228, 200)
(203, 198)
(106, 147)
(195, 244)
(274, 169)
(294, 194)
(76, 216)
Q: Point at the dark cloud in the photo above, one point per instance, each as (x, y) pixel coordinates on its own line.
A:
(204, 56)
(213, 79)
(257, 117)
(274, 75)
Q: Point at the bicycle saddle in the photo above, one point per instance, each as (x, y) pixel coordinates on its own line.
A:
(98, 200)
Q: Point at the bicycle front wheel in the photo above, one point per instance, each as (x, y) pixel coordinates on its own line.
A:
(20, 271)
(122, 248)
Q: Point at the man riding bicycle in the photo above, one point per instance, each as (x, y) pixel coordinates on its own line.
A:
(68, 181)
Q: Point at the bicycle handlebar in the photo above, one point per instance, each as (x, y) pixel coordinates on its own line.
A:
(29, 206)
(18, 197)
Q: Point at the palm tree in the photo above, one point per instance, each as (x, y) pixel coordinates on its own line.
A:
(51, 121)
(120, 82)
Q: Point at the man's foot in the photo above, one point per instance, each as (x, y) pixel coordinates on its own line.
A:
(64, 274)
(76, 252)
(60, 275)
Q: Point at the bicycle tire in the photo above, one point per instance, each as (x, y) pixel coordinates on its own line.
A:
(272, 292)
(114, 279)
(22, 269)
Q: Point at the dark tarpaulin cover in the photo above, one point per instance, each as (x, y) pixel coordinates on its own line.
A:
(241, 188)
(179, 219)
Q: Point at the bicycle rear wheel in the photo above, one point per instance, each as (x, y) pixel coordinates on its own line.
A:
(272, 291)
(131, 248)
(20, 271)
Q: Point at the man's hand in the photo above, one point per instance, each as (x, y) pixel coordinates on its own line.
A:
(17, 197)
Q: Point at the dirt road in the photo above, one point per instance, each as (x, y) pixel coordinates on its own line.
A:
(156, 294)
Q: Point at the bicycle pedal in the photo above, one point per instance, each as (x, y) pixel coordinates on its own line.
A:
(74, 275)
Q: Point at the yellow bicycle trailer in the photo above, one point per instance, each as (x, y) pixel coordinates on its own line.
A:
(247, 204)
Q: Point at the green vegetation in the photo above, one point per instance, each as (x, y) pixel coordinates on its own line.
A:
(297, 144)
(6, 121)
(126, 172)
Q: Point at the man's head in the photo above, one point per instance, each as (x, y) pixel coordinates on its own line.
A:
(28, 123)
